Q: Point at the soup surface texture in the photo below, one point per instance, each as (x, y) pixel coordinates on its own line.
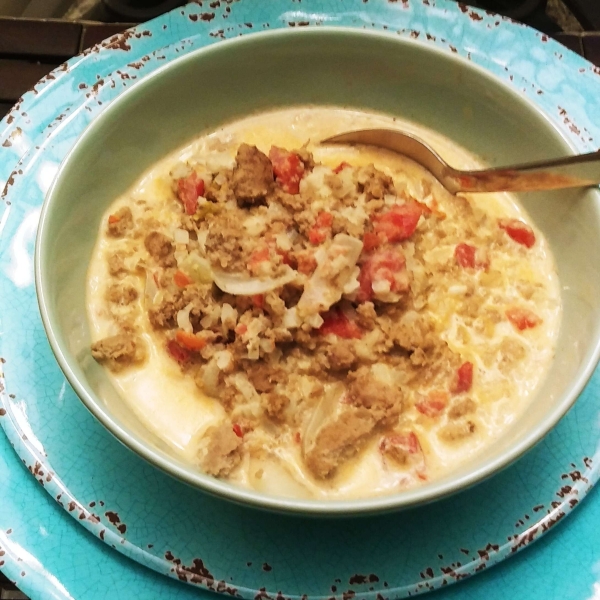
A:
(320, 321)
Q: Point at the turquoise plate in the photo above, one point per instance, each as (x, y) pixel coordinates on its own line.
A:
(179, 532)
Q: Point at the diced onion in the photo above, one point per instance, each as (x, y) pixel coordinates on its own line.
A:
(418, 189)
(202, 235)
(352, 284)
(277, 211)
(220, 179)
(315, 321)
(255, 225)
(255, 327)
(229, 316)
(346, 177)
(381, 286)
(267, 345)
(314, 183)
(183, 319)
(410, 318)
(237, 284)
(223, 359)
(151, 288)
(211, 318)
(198, 268)
(283, 242)
(291, 320)
(180, 170)
(457, 290)
(181, 236)
(210, 378)
(220, 161)
(253, 349)
(241, 382)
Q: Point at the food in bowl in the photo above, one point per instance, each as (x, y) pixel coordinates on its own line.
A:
(319, 322)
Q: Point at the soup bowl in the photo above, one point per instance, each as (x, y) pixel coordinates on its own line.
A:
(322, 66)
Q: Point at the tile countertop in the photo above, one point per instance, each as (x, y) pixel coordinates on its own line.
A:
(31, 48)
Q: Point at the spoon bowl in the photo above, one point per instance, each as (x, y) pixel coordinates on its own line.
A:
(582, 170)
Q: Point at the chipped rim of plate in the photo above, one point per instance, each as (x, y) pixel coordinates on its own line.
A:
(378, 504)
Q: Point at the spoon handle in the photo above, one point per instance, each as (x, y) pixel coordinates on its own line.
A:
(572, 171)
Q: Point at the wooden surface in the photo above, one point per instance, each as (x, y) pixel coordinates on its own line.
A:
(9, 591)
(31, 48)
(587, 12)
(30, 37)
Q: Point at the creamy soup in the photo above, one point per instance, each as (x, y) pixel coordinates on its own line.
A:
(320, 321)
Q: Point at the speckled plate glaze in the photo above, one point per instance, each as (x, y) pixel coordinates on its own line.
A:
(177, 531)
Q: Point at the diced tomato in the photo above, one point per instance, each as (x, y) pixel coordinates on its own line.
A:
(371, 241)
(316, 235)
(258, 301)
(464, 378)
(470, 257)
(260, 255)
(465, 255)
(181, 279)
(433, 404)
(412, 442)
(297, 437)
(286, 258)
(288, 169)
(341, 167)
(386, 264)
(522, 318)
(403, 448)
(430, 408)
(307, 263)
(321, 229)
(241, 329)
(200, 187)
(324, 219)
(336, 322)
(399, 223)
(237, 429)
(189, 341)
(189, 189)
(257, 257)
(177, 352)
(112, 219)
(518, 231)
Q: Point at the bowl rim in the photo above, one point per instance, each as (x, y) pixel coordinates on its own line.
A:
(419, 496)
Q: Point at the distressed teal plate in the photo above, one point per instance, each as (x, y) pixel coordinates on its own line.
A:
(177, 531)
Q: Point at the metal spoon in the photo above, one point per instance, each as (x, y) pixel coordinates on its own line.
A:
(572, 171)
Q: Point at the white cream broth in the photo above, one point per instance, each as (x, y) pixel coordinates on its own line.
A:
(177, 411)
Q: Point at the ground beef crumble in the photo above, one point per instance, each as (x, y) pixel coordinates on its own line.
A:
(120, 222)
(119, 351)
(253, 175)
